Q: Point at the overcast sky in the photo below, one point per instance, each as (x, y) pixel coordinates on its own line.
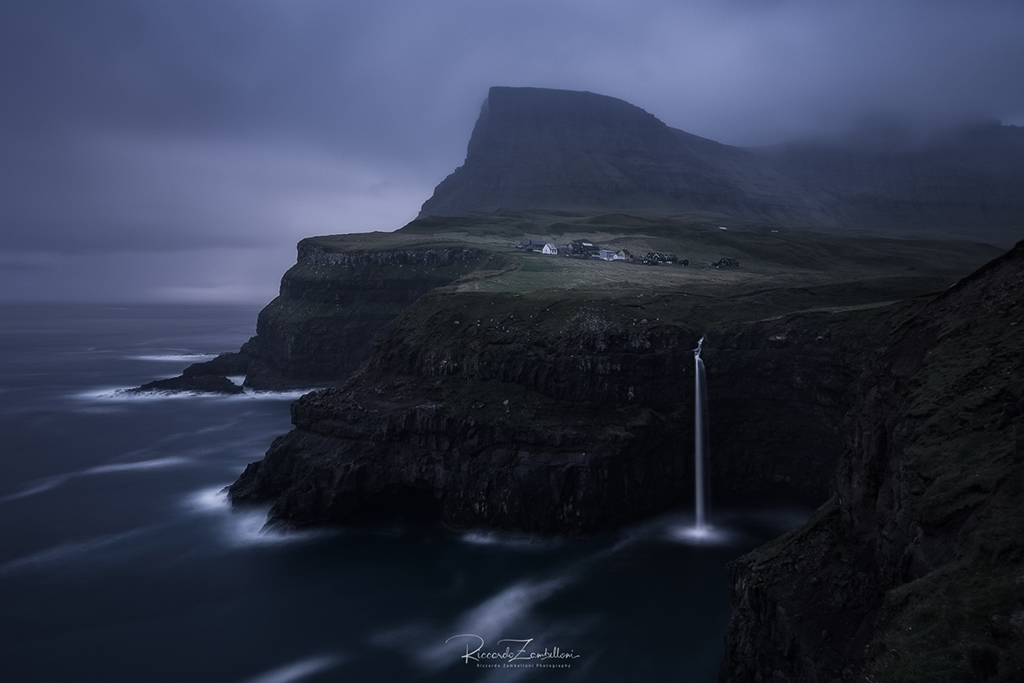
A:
(176, 150)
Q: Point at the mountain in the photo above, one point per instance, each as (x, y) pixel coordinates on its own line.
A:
(500, 388)
(534, 148)
(968, 181)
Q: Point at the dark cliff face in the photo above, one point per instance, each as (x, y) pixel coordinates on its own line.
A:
(914, 570)
(559, 418)
(331, 305)
(536, 148)
(778, 392)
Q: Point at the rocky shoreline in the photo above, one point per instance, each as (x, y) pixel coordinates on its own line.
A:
(908, 416)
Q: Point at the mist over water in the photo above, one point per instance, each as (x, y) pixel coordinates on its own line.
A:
(121, 560)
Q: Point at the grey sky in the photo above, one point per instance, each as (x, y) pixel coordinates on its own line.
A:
(177, 150)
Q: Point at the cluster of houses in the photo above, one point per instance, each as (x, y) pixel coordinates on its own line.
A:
(583, 249)
(656, 258)
(576, 249)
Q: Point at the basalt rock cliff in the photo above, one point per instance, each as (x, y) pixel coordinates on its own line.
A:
(914, 570)
(332, 302)
(559, 417)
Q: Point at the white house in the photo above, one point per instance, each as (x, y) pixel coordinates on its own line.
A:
(550, 248)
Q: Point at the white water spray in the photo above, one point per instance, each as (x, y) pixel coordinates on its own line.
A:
(700, 400)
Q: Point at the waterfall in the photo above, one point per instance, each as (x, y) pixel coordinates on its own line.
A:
(700, 449)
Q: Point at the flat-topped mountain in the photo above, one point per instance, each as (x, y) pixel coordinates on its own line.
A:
(534, 148)
(557, 149)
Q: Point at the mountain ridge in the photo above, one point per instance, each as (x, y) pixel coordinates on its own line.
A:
(535, 148)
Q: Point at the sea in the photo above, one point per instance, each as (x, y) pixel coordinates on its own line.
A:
(121, 559)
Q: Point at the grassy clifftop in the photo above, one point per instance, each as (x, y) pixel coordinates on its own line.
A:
(780, 270)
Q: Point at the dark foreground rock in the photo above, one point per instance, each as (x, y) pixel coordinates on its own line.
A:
(202, 384)
(357, 455)
(913, 571)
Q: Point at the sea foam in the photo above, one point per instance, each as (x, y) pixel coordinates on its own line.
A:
(246, 527)
(176, 357)
(129, 394)
(296, 671)
(52, 482)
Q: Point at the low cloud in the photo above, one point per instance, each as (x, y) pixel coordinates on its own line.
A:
(116, 192)
(133, 126)
(208, 275)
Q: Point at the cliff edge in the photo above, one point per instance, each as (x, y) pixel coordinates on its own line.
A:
(914, 570)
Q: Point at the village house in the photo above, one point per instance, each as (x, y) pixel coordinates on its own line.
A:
(582, 249)
(655, 258)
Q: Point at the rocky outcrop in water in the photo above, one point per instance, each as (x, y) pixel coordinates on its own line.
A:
(914, 569)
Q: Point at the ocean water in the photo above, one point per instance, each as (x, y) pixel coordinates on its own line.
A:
(120, 559)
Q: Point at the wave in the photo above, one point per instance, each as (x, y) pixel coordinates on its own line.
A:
(518, 542)
(493, 619)
(296, 671)
(246, 527)
(48, 483)
(68, 551)
(176, 357)
(129, 394)
(250, 394)
(171, 461)
(39, 486)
